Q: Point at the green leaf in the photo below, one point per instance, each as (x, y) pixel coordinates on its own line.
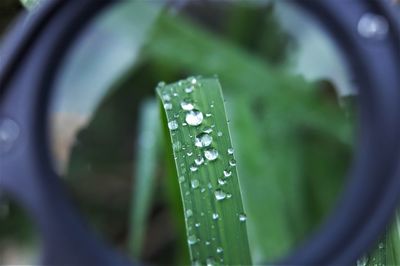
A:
(206, 168)
(145, 173)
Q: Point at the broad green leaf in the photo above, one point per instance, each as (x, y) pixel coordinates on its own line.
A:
(145, 173)
(206, 168)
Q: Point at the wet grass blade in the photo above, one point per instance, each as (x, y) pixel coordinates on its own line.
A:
(206, 168)
(145, 173)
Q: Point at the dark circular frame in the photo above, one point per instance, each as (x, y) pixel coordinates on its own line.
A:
(33, 53)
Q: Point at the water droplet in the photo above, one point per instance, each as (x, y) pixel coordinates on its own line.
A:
(193, 168)
(193, 81)
(363, 261)
(208, 115)
(189, 213)
(228, 195)
(215, 216)
(181, 179)
(175, 94)
(381, 245)
(187, 105)
(195, 183)
(232, 162)
(194, 117)
(208, 243)
(230, 151)
(242, 217)
(199, 161)
(173, 125)
(192, 239)
(189, 153)
(187, 193)
(161, 84)
(373, 26)
(219, 134)
(221, 181)
(210, 262)
(219, 194)
(203, 140)
(202, 190)
(227, 173)
(209, 185)
(211, 154)
(207, 130)
(167, 106)
(220, 250)
(197, 224)
(189, 89)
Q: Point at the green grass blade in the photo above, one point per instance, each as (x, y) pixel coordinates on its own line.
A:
(214, 215)
(145, 173)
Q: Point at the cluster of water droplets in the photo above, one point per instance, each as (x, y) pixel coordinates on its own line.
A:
(202, 154)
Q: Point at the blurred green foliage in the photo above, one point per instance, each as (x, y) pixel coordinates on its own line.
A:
(293, 141)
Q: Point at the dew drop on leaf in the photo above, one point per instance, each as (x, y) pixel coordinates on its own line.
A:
(230, 151)
(189, 213)
(199, 161)
(189, 89)
(193, 168)
(192, 239)
(242, 217)
(219, 194)
(173, 125)
(220, 250)
(195, 183)
(211, 154)
(187, 105)
(232, 162)
(227, 173)
(203, 140)
(194, 117)
(215, 216)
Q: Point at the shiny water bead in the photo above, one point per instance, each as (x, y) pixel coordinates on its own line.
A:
(242, 217)
(173, 125)
(228, 195)
(197, 225)
(219, 194)
(230, 151)
(189, 213)
(199, 161)
(221, 181)
(189, 89)
(167, 106)
(194, 117)
(193, 81)
(181, 179)
(232, 162)
(203, 140)
(193, 168)
(219, 134)
(220, 250)
(207, 130)
(192, 239)
(210, 262)
(227, 173)
(373, 26)
(195, 183)
(211, 154)
(215, 216)
(208, 115)
(187, 105)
